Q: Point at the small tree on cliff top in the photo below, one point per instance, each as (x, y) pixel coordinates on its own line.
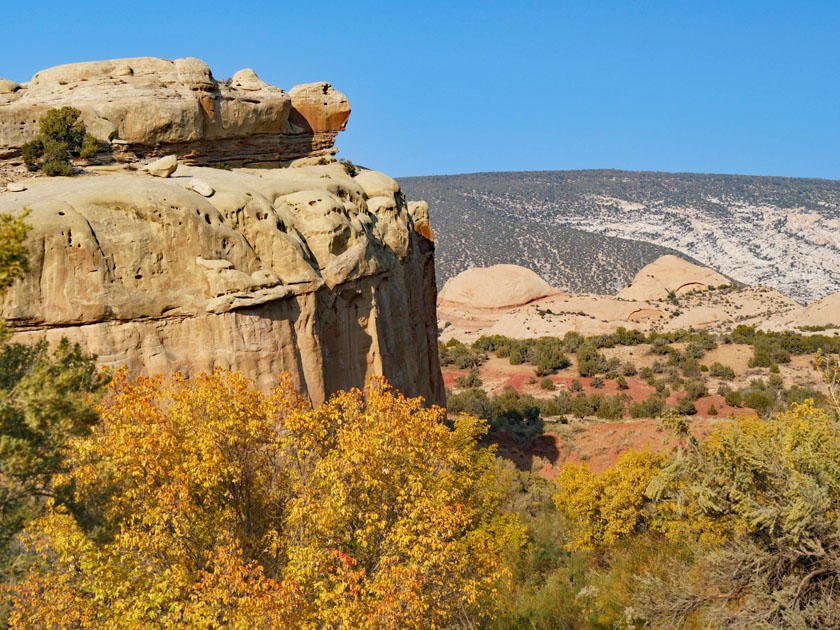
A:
(63, 135)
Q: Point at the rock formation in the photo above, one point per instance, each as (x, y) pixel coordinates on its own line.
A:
(147, 107)
(671, 275)
(515, 302)
(499, 286)
(302, 269)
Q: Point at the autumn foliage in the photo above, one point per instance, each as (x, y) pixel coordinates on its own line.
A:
(217, 506)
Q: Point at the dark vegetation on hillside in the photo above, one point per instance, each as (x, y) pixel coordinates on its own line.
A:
(523, 416)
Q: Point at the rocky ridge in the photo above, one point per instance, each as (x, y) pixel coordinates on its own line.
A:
(669, 294)
(781, 232)
(145, 107)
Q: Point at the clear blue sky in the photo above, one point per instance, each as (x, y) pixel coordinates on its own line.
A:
(449, 87)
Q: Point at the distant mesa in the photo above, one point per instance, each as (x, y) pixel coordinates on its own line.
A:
(669, 275)
(499, 286)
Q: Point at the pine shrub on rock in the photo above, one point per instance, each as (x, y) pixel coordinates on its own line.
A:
(63, 135)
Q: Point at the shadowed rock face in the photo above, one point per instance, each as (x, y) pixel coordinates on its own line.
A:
(146, 107)
(278, 270)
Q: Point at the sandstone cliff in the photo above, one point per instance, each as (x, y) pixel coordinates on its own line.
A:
(304, 269)
(146, 107)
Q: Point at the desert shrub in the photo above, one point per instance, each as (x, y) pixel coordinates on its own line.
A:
(762, 403)
(516, 415)
(590, 361)
(509, 412)
(474, 402)
(547, 384)
(349, 168)
(718, 370)
(733, 398)
(660, 346)
(685, 406)
(576, 386)
(690, 368)
(695, 389)
(63, 135)
(775, 567)
(621, 383)
(628, 369)
(469, 380)
(454, 352)
(547, 355)
(597, 382)
(713, 410)
(609, 407)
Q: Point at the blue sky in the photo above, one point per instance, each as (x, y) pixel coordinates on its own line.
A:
(452, 87)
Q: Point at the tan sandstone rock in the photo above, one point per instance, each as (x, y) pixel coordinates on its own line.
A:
(201, 187)
(8, 87)
(280, 270)
(151, 107)
(164, 167)
(499, 286)
(671, 274)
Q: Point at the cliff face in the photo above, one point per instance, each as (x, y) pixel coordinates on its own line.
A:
(302, 269)
(146, 107)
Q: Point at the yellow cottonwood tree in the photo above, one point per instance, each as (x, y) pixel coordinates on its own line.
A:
(220, 507)
(602, 509)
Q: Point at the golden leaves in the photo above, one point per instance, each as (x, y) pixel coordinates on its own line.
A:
(222, 506)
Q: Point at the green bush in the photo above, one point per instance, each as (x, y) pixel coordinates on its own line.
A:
(718, 370)
(63, 135)
(469, 380)
(761, 402)
(695, 389)
(547, 384)
(686, 406)
(590, 361)
(349, 168)
(733, 398)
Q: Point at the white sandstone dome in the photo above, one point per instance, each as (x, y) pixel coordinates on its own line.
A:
(671, 274)
(498, 286)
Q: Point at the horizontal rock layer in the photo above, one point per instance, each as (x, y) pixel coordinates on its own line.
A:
(146, 107)
(305, 270)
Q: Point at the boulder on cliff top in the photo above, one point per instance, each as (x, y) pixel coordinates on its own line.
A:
(671, 274)
(498, 286)
(152, 107)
